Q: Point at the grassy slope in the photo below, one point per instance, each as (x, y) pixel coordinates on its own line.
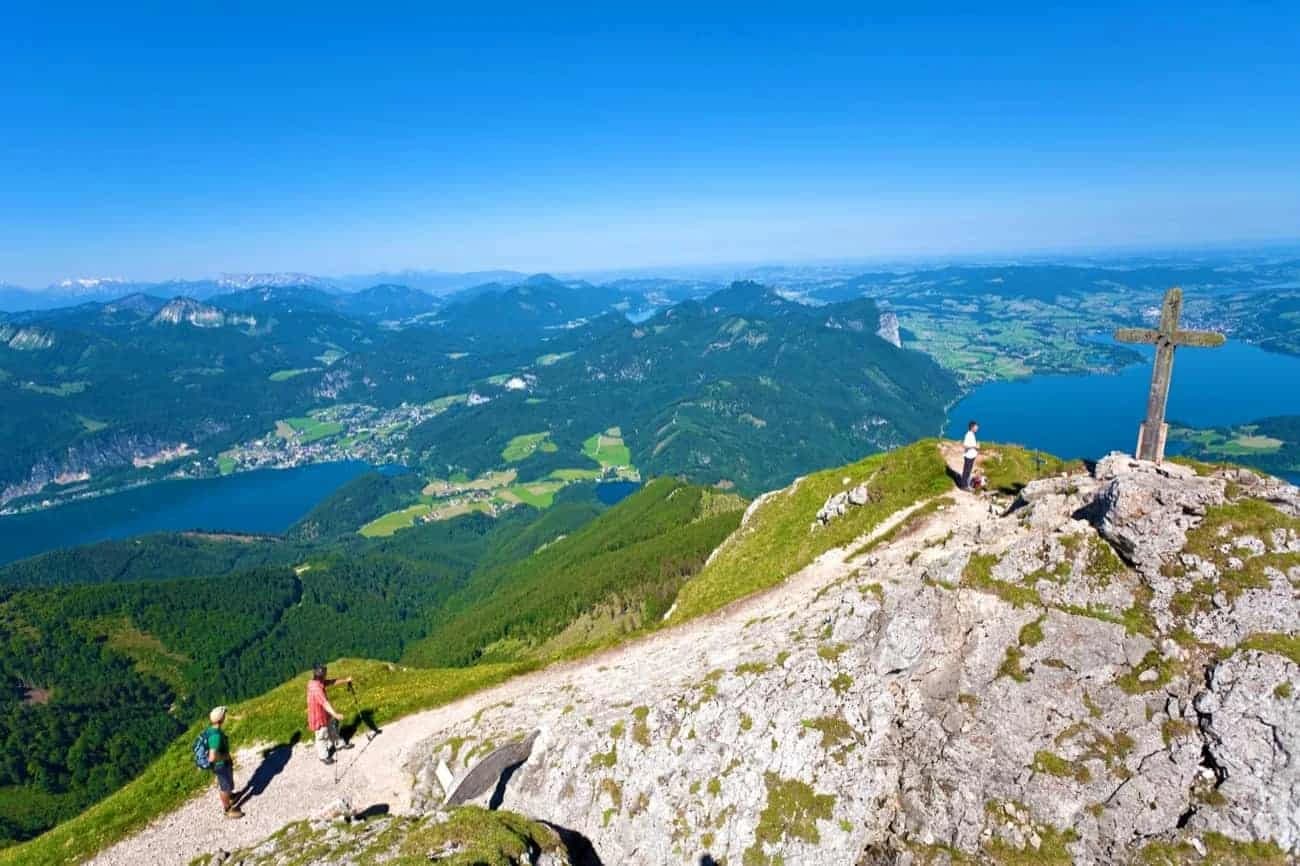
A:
(777, 541)
(389, 690)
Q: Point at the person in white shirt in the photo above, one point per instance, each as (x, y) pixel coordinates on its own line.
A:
(971, 450)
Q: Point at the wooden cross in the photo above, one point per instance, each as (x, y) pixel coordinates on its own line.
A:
(1152, 433)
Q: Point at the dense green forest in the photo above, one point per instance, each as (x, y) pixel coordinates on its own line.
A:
(744, 388)
(98, 676)
(627, 564)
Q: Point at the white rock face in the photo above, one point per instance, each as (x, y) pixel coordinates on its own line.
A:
(1107, 664)
(888, 329)
(881, 709)
(187, 310)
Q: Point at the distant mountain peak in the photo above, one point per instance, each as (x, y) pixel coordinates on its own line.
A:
(87, 285)
(189, 311)
(274, 280)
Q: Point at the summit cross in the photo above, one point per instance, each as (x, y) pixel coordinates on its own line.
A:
(1152, 433)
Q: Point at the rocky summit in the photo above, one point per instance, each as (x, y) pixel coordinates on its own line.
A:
(1101, 667)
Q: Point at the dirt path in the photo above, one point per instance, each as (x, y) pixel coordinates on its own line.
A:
(372, 774)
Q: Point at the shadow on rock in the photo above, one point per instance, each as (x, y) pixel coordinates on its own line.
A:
(581, 852)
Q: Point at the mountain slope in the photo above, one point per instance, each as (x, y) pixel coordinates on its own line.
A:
(147, 658)
(744, 389)
(952, 685)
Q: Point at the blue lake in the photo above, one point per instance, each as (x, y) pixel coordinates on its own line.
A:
(1090, 415)
(265, 501)
(614, 492)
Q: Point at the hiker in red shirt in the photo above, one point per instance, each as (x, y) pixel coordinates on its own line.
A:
(322, 719)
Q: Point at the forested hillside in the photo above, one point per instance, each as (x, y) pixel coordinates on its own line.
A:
(620, 572)
(743, 389)
(99, 676)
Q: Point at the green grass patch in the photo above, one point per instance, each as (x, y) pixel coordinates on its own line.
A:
(225, 464)
(911, 523)
(286, 375)
(1220, 850)
(523, 446)
(978, 575)
(1246, 517)
(1054, 765)
(382, 527)
(778, 540)
(1285, 645)
(540, 495)
(148, 653)
(792, 811)
(569, 475)
(607, 449)
(1008, 468)
(308, 430)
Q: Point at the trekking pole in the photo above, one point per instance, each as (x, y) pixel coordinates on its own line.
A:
(356, 708)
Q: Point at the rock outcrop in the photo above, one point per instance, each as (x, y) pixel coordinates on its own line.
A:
(888, 329)
(1104, 670)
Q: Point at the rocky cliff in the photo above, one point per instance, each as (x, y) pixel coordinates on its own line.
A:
(888, 329)
(1102, 669)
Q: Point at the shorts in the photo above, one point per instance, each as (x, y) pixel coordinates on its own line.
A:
(225, 778)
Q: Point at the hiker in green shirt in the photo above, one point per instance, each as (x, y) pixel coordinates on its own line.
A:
(222, 765)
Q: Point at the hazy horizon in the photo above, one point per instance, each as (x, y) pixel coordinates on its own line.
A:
(1115, 256)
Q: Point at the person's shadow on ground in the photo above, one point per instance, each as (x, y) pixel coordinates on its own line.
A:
(363, 718)
(274, 760)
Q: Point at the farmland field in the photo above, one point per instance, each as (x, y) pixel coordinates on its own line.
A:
(394, 520)
(608, 449)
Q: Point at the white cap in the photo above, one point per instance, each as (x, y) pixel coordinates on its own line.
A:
(217, 715)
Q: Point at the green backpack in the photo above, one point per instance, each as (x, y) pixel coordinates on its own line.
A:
(201, 751)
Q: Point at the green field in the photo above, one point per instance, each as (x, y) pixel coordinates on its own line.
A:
(331, 356)
(225, 464)
(576, 474)
(310, 430)
(553, 358)
(540, 495)
(1234, 442)
(285, 375)
(442, 404)
(608, 449)
(522, 447)
(90, 424)
(394, 520)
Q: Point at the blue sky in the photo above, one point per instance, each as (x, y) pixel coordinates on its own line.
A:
(150, 142)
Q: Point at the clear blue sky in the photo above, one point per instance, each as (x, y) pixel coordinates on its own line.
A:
(150, 142)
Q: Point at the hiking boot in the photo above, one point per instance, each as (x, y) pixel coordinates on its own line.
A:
(327, 761)
(234, 812)
(345, 745)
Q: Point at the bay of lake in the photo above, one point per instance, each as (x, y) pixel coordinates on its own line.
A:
(1090, 415)
(263, 501)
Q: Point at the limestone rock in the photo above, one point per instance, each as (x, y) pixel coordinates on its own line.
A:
(1253, 737)
(1145, 509)
(888, 329)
